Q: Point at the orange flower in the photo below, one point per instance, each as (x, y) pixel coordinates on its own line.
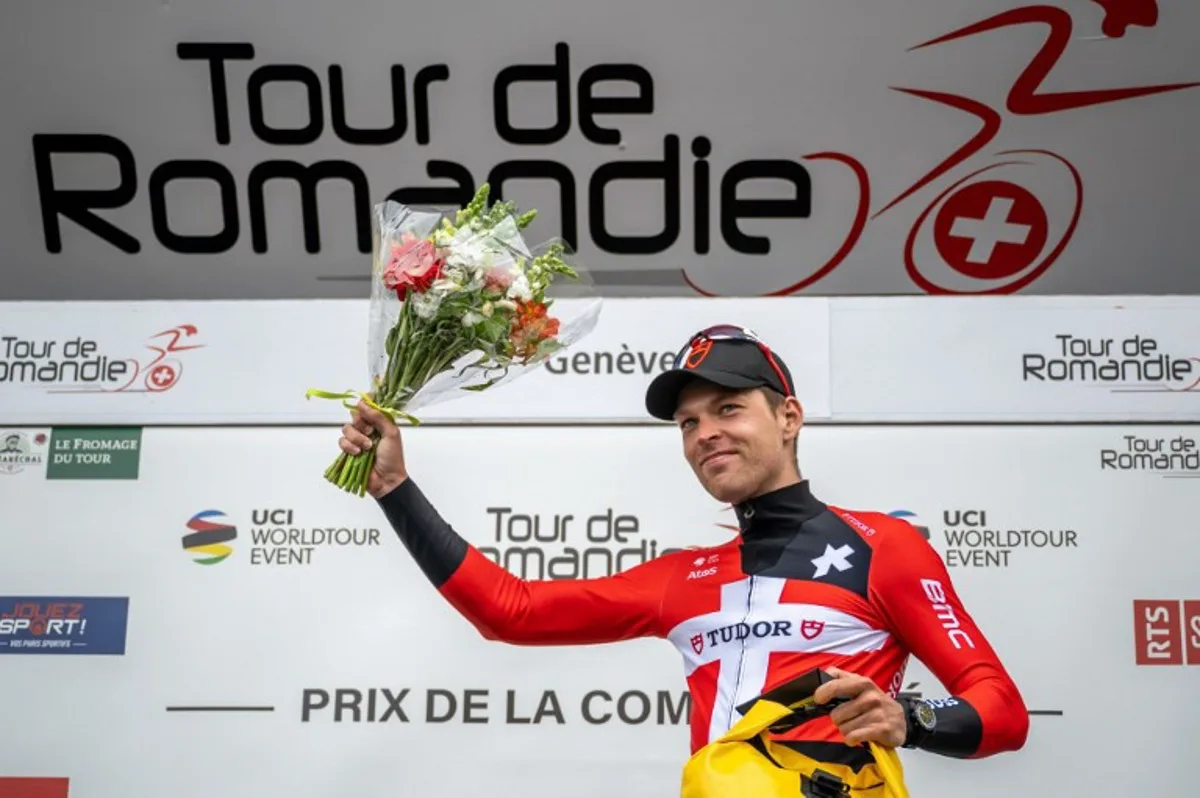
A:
(531, 326)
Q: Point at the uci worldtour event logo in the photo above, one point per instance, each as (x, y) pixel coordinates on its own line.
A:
(540, 546)
(1135, 364)
(973, 538)
(77, 364)
(19, 451)
(1170, 457)
(275, 538)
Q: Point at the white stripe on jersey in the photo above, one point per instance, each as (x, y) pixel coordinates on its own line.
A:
(751, 624)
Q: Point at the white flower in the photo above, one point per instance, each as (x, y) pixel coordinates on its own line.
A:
(506, 304)
(471, 318)
(520, 288)
(425, 305)
(487, 310)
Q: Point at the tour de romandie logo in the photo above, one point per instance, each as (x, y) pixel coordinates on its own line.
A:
(81, 365)
(275, 539)
(19, 451)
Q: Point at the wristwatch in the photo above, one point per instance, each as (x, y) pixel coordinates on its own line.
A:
(920, 721)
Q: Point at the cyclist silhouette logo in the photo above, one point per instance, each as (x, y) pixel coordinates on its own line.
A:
(154, 375)
(1002, 225)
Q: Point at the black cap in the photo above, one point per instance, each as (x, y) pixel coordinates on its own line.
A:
(730, 363)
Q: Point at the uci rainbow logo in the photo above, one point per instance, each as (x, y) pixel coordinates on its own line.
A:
(209, 537)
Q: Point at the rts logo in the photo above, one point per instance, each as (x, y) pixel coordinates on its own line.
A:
(209, 537)
(1166, 632)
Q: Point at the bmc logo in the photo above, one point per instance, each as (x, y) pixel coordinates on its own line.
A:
(945, 613)
(1167, 632)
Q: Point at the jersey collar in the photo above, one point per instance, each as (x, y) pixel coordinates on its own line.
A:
(780, 510)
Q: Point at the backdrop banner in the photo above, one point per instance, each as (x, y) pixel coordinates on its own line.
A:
(230, 149)
(890, 359)
(223, 622)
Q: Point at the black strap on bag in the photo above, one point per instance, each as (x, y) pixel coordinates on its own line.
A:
(823, 785)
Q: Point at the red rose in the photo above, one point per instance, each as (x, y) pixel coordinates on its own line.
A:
(414, 265)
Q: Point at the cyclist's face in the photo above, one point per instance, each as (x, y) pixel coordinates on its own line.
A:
(736, 444)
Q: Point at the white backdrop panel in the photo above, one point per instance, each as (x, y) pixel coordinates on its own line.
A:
(248, 633)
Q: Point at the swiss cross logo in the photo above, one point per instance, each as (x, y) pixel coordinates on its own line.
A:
(991, 230)
(33, 788)
(1166, 632)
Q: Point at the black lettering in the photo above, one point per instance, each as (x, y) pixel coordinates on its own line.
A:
(312, 699)
(587, 707)
(542, 170)
(590, 105)
(296, 73)
(701, 149)
(471, 705)
(430, 698)
(734, 208)
(215, 54)
(1032, 366)
(666, 170)
(394, 705)
(352, 135)
(421, 83)
(642, 712)
(307, 178)
(782, 628)
(348, 701)
(510, 712)
(221, 241)
(670, 713)
(77, 205)
(559, 74)
(549, 706)
(444, 197)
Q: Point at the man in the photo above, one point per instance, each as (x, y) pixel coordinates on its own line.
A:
(803, 585)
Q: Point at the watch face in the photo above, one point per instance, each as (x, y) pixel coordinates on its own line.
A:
(926, 716)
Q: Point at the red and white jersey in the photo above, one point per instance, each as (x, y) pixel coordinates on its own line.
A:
(803, 585)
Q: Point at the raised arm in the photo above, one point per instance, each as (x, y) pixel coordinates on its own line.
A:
(505, 607)
(500, 605)
(985, 713)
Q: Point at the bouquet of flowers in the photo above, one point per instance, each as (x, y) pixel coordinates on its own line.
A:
(458, 305)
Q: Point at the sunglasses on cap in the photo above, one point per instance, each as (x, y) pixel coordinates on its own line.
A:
(730, 332)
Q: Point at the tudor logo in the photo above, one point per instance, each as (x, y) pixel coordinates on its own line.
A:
(697, 643)
(810, 630)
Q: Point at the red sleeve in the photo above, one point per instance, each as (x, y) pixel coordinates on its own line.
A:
(911, 587)
(575, 611)
(504, 607)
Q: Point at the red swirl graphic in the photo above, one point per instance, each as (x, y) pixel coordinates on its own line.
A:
(930, 287)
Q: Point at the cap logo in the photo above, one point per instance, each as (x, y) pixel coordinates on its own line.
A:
(698, 352)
